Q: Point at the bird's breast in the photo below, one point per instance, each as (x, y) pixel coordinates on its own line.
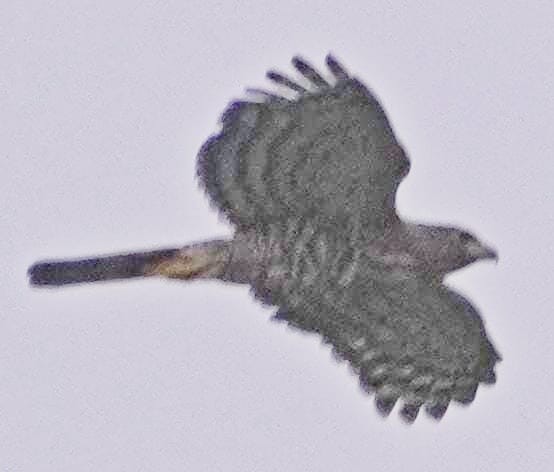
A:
(280, 261)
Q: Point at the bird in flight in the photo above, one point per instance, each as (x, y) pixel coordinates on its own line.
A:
(308, 179)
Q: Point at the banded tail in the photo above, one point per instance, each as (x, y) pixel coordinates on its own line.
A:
(202, 260)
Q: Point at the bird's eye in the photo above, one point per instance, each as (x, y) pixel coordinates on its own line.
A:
(466, 237)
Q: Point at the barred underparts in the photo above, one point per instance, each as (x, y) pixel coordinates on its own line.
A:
(307, 175)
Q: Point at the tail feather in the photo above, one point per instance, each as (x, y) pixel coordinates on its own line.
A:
(194, 261)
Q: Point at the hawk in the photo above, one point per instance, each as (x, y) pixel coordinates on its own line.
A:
(308, 178)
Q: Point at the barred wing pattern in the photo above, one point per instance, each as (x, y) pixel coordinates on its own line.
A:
(423, 344)
(406, 337)
(329, 155)
(307, 182)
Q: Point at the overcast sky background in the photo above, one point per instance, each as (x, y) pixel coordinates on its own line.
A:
(103, 108)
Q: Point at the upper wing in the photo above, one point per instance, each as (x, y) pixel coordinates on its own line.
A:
(405, 337)
(328, 154)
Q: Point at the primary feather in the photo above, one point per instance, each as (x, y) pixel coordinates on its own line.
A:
(309, 183)
(329, 154)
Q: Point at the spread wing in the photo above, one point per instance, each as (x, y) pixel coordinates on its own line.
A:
(405, 337)
(329, 154)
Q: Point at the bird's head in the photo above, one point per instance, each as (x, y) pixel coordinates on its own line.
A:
(448, 248)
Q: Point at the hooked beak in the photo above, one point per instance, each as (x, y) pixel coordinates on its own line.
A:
(480, 251)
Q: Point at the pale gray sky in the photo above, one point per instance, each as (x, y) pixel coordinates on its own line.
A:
(103, 108)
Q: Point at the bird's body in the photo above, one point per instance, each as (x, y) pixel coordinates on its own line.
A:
(309, 184)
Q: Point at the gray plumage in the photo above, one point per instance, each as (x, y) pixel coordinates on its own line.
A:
(309, 184)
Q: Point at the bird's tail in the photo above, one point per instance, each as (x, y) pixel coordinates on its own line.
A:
(203, 260)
